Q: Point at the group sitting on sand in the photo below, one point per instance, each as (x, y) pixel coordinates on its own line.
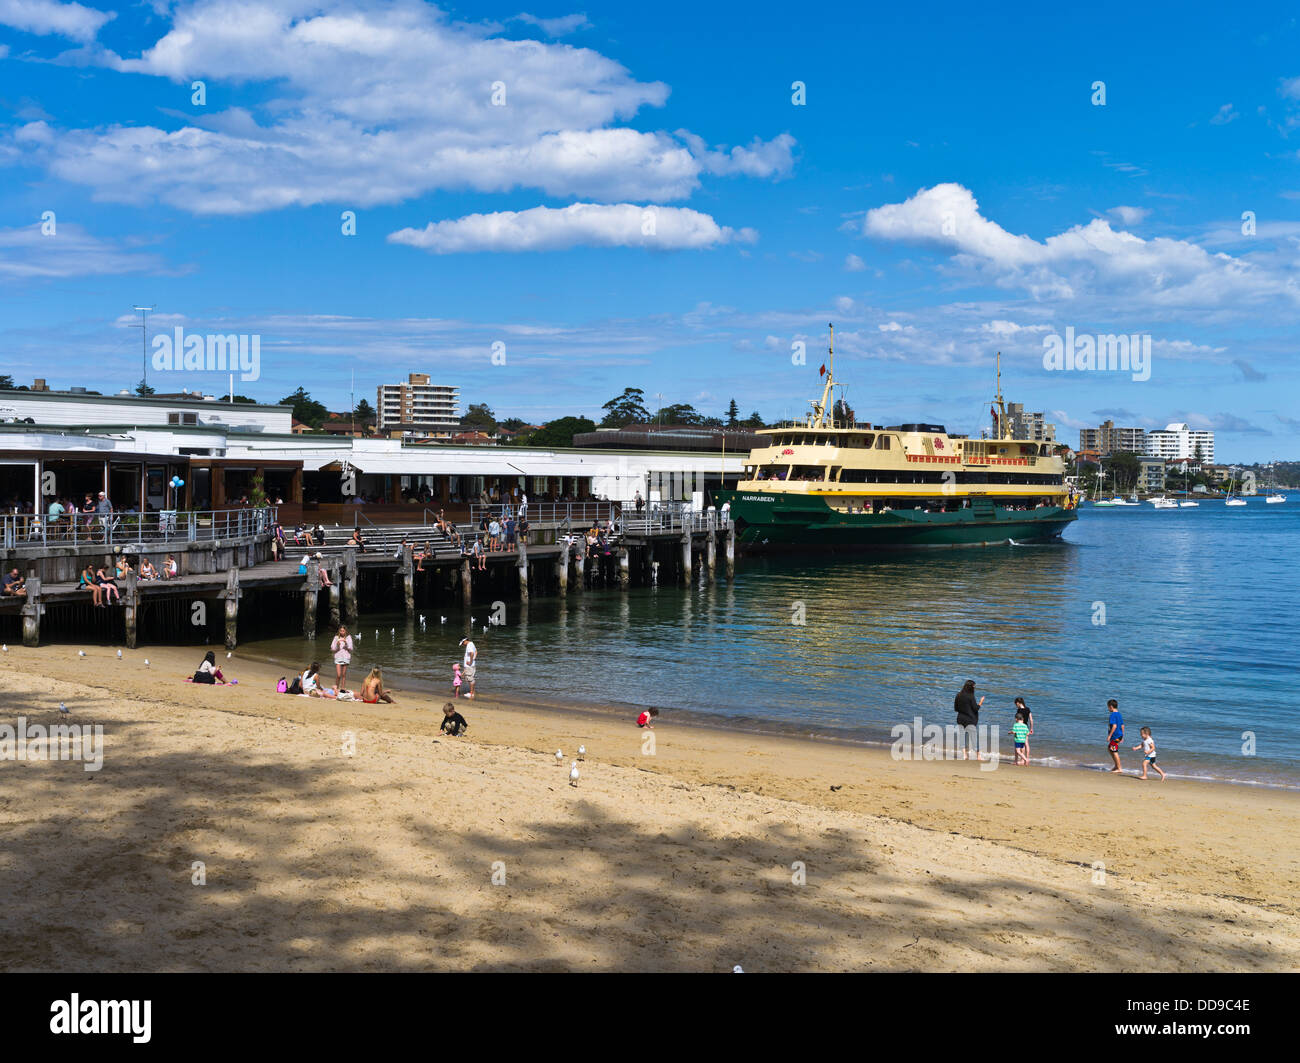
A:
(967, 709)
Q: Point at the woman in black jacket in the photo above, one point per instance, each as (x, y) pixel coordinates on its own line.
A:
(968, 718)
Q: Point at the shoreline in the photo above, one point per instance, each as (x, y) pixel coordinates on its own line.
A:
(751, 725)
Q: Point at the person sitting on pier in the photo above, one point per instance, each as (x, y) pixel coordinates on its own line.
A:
(208, 671)
(88, 582)
(170, 569)
(14, 584)
(107, 586)
(481, 554)
(372, 690)
(421, 555)
(122, 568)
(147, 571)
(322, 571)
(356, 541)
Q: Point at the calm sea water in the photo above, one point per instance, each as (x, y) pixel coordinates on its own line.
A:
(1185, 616)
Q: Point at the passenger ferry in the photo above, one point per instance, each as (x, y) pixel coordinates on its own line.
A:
(824, 484)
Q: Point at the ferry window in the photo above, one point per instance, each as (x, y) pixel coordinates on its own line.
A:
(882, 443)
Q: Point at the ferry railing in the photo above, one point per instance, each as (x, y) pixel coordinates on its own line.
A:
(119, 529)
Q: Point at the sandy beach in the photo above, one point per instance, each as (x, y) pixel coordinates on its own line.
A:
(342, 836)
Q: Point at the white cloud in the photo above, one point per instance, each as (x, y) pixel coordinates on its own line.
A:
(48, 17)
(854, 264)
(371, 105)
(27, 253)
(1224, 115)
(578, 225)
(1087, 259)
(1128, 215)
(556, 27)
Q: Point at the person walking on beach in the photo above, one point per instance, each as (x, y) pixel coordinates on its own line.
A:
(471, 664)
(341, 647)
(968, 718)
(1148, 748)
(1114, 733)
(1020, 735)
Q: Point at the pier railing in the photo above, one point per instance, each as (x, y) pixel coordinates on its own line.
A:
(571, 514)
(676, 517)
(157, 528)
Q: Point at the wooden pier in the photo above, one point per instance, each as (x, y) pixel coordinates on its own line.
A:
(224, 578)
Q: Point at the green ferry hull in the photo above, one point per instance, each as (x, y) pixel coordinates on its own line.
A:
(791, 522)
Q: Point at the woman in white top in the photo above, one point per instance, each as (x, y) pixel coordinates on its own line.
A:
(341, 647)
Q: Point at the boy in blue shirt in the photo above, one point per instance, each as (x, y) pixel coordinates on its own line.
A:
(1115, 733)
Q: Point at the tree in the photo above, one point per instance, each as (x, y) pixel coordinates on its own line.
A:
(560, 433)
(364, 413)
(143, 390)
(733, 414)
(244, 399)
(680, 413)
(843, 412)
(711, 422)
(754, 420)
(305, 408)
(6, 382)
(479, 418)
(1199, 455)
(513, 424)
(628, 408)
(1122, 470)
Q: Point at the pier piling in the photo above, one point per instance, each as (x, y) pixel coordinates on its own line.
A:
(624, 568)
(309, 595)
(686, 557)
(466, 584)
(562, 569)
(350, 610)
(711, 555)
(232, 594)
(336, 615)
(408, 579)
(729, 549)
(130, 607)
(522, 565)
(32, 610)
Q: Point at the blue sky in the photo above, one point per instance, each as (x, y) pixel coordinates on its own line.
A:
(644, 205)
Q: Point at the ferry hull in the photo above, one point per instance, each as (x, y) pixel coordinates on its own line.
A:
(771, 522)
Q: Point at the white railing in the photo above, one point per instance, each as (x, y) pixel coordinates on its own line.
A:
(155, 528)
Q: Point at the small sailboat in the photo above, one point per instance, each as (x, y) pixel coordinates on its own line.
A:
(1232, 500)
(1187, 504)
(1275, 497)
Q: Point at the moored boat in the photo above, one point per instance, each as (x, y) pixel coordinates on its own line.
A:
(830, 482)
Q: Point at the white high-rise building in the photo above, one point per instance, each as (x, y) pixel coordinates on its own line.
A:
(1178, 442)
(418, 406)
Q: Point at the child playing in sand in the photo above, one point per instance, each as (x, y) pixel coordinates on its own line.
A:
(453, 723)
(1020, 732)
(1148, 748)
(644, 720)
(455, 679)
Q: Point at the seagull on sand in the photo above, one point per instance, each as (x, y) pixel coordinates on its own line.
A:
(146, 662)
(81, 653)
(559, 756)
(64, 709)
(573, 774)
(582, 752)
(119, 655)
